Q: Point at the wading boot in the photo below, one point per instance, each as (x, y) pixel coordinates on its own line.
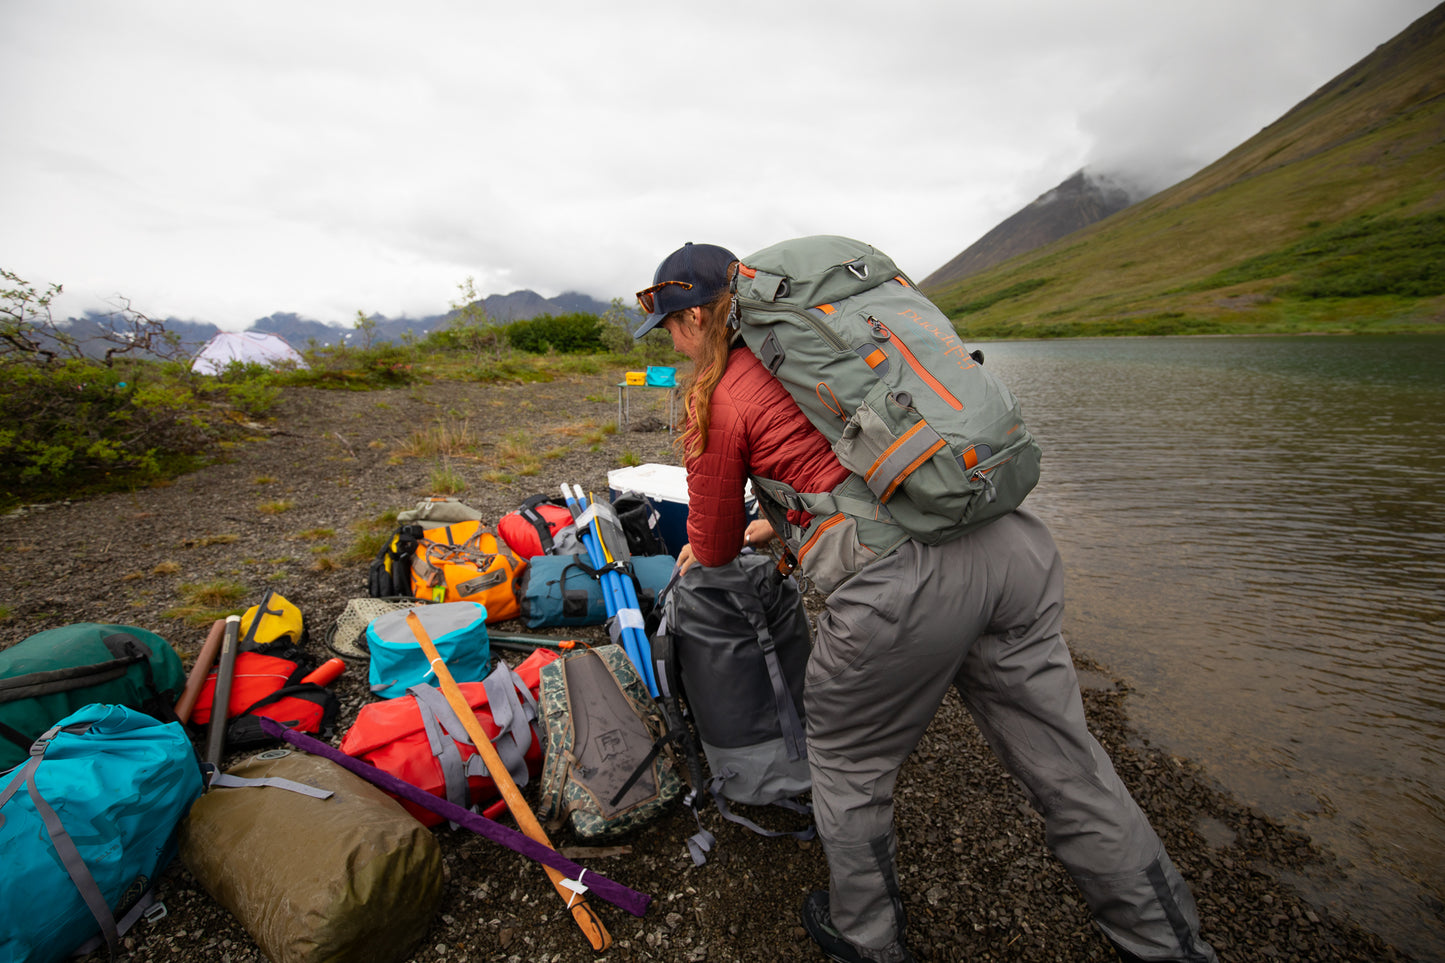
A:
(819, 924)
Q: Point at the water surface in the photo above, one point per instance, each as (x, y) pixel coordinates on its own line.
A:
(1253, 531)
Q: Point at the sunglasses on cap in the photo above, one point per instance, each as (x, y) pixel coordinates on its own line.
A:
(648, 302)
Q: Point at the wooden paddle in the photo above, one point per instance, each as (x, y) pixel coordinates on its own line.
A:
(582, 912)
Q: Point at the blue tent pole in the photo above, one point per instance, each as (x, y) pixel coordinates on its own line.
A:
(629, 614)
(611, 590)
(629, 590)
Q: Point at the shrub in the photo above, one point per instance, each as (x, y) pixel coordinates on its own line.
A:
(577, 333)
(336, 366)
(72, 423)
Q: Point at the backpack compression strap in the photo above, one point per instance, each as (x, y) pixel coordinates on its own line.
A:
(65, 847)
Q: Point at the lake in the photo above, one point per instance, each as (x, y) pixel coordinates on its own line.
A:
(1253, 531)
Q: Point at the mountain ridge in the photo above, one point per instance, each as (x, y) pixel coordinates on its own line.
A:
(1081, 199)
(300, 331)
(1346, 182)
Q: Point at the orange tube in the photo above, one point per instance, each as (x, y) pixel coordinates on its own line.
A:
(326, 673)
(196, 681)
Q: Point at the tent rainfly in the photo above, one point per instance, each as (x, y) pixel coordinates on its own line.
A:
(225, 347)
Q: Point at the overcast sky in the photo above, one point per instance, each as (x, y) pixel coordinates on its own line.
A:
(222, 162)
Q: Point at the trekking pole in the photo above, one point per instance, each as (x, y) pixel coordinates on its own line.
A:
(196, 681)
(221, 702)
(570, 890)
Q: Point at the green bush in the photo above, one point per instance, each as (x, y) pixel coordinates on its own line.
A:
(577, 333)
(75, 424)
(337, 366)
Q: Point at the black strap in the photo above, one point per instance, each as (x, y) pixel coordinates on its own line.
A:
(15, 736)
(754, 609)
(248, 643)
(658, 745)
(529, 512)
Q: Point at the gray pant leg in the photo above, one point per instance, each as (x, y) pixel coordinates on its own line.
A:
(1020, 686)
(876, 676)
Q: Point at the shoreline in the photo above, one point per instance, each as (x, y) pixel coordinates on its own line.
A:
(978, 881)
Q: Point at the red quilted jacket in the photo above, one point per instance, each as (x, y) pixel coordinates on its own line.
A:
(756, 428)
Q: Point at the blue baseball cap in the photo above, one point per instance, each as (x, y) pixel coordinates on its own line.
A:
(691, 276)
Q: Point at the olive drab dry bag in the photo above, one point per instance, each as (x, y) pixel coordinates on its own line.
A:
(937, 444)
(316, 863)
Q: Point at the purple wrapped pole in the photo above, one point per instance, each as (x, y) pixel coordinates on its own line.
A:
(615, 893)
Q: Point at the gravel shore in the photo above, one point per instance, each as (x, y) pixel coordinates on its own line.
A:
(280, 510)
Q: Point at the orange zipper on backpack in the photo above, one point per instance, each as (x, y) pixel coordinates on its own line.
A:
(808, 547)
(912, 361)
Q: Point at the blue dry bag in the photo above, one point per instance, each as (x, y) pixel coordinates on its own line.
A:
(87, 822)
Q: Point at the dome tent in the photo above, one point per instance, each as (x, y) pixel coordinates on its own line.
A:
(225, 347)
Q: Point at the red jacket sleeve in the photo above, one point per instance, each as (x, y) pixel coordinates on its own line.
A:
(716, 515)
(755, 429)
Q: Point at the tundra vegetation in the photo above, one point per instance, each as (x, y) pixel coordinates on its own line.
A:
(124, 409)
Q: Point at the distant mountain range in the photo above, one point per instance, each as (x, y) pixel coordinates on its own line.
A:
(299, 332)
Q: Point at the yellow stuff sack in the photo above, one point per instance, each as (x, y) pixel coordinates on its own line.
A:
(274, 622)
(463, 562)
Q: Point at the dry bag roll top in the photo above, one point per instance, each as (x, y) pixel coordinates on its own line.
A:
(274, 622)
(565, 590)
(542, 526)
(459, 631)
(419, 739)
(465, 562)
(739, 645)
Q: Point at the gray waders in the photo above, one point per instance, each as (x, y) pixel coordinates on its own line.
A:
(982, 613)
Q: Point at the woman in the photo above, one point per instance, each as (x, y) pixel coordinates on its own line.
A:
(981, 613)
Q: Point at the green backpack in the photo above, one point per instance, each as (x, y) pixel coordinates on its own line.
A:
(937, 444)
(48, 676)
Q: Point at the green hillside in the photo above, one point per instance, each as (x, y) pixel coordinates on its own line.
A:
(1332, 219)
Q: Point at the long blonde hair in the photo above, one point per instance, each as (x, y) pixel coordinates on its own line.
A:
(707, 371)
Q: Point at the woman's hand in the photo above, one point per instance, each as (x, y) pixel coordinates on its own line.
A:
(759, 533)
